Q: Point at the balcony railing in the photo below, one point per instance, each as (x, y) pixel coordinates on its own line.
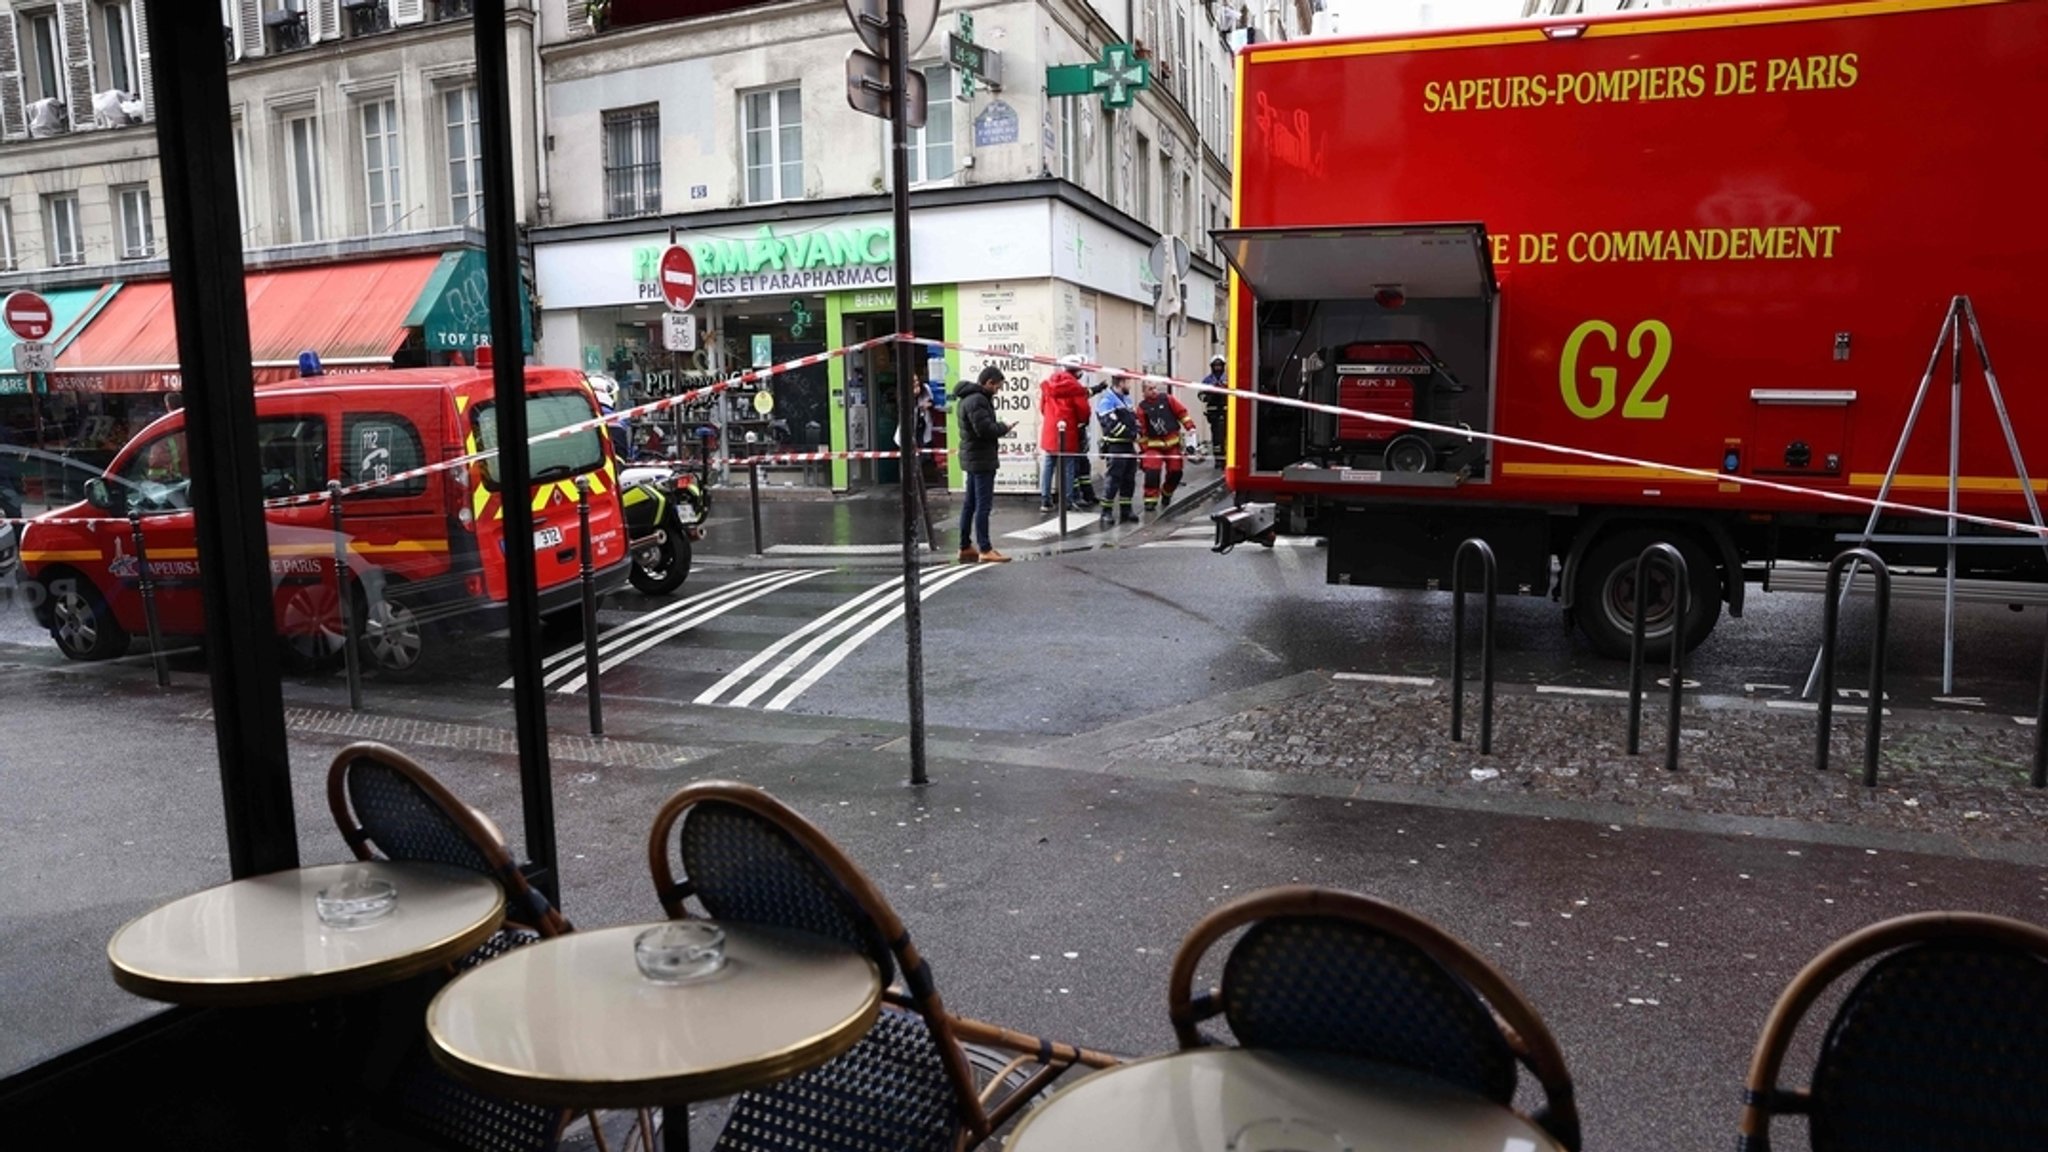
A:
(286, 30)
(367, 17)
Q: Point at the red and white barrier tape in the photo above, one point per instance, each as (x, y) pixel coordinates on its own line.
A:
(1863, 502)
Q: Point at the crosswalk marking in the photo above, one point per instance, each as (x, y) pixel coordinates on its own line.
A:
(552, 667)
(859, 606)
(846, 647)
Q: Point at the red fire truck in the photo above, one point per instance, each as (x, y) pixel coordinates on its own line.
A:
(1718, 240)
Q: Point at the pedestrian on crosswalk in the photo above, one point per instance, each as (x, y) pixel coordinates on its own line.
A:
(1117, 423)
(981, 436)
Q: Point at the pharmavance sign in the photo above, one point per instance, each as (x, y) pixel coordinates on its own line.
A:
(768, 262)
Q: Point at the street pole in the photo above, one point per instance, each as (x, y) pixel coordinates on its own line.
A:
(906, 411)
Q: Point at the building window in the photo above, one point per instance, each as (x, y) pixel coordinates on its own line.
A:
(465, 154)
(931, 147)
(772, 125)
(138, 234)
(114, 65)
(43, 77)
(302, 200)
(7, 263)
(67, 242)
(1141, 194)
(382, 191)
(632, 162)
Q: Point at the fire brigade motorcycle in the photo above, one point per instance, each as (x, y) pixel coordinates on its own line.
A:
(665, 508)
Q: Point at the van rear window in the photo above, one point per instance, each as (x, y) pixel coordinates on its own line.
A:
(556, 457)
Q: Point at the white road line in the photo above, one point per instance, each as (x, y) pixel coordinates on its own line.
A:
(677, 627)
(552, 666)
(1076, 521)
(1794, 705)
(1380, 678)
(2025, 721)
(847, 647)
(1192, 530)
(1959, 701)
(1569, 690)
(860, 604)
(1754, 688)
(1209, 538)
(834, 549)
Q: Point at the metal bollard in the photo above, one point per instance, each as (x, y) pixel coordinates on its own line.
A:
(754, 495)
(1831, 616)
(704, 467)
(589, 575)
(1489, 570)
(1059, 472)
(1682, 602)
(345, 602)
(2041, 726)
(148, 589)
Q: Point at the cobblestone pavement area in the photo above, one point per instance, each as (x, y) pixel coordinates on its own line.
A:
(1961, 778)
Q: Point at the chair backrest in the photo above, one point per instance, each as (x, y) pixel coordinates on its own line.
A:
(384, 802)
(1941, 1043)
(749, 858)
(1331, 971)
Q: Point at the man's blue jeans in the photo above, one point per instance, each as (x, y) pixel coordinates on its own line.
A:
(1047, 494)
(974, 507)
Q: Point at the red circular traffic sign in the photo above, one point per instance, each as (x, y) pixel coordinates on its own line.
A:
(27, 314)
(678, 277)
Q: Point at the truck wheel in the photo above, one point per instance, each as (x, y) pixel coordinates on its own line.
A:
(1410, 453)
(1604, 600)
(80, 621)
(659, 569)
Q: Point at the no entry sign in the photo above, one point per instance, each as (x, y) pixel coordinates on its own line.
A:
(678, 273)
(27, 314)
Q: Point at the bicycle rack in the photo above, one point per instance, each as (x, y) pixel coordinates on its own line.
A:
(1490, 572)
(1682, 603)
(1831, 616)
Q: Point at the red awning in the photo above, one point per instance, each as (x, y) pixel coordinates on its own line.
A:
(353, 315)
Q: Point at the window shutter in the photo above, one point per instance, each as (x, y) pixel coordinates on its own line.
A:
(408, 11)
(249, 33)
(324, 20)
(142, 73)
(13, 124)
(76, 33)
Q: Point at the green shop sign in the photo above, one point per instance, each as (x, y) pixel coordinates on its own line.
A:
(768, 262)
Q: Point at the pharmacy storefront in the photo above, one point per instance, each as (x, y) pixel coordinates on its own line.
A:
(1018, 275)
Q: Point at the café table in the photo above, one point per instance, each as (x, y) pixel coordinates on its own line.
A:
(259, 940)
(571, 1021)
(1260, 1100)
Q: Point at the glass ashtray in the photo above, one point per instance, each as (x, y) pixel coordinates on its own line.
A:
(356, 901)
(1286, 1134)
(679, 950)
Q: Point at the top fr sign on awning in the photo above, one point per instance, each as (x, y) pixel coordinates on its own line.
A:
(28, 315)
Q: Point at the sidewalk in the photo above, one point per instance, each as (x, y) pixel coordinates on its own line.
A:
(866, 526)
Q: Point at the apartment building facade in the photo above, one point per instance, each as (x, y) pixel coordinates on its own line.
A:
(1032, 215)
(359, 175)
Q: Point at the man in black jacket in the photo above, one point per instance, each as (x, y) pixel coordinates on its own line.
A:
(980, 436)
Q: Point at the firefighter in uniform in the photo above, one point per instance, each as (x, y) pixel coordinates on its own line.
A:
(1215, 405)
(1116, 421)
(1162, 422)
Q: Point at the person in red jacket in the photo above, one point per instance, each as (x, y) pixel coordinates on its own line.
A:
(1162, 421)
(1061, 397)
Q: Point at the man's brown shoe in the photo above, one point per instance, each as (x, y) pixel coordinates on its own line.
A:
(969, 556)
(994, 557)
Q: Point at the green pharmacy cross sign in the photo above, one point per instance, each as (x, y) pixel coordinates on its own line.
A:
(1120, 75)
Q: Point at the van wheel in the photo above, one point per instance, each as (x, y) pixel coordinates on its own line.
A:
(390, 636)
(80, 621)
(1604, 599)
(309, 624)
(659, 569)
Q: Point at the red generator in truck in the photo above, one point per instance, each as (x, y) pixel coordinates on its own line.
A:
(1672, 278)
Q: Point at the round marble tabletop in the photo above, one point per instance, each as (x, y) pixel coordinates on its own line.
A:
(1253, 1100)
(571, 1020)
(259, 940)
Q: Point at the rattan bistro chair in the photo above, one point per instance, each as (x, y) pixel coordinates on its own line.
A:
(1941, 1043)
(1327, 971)
(386, 805)
(921, 1080)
